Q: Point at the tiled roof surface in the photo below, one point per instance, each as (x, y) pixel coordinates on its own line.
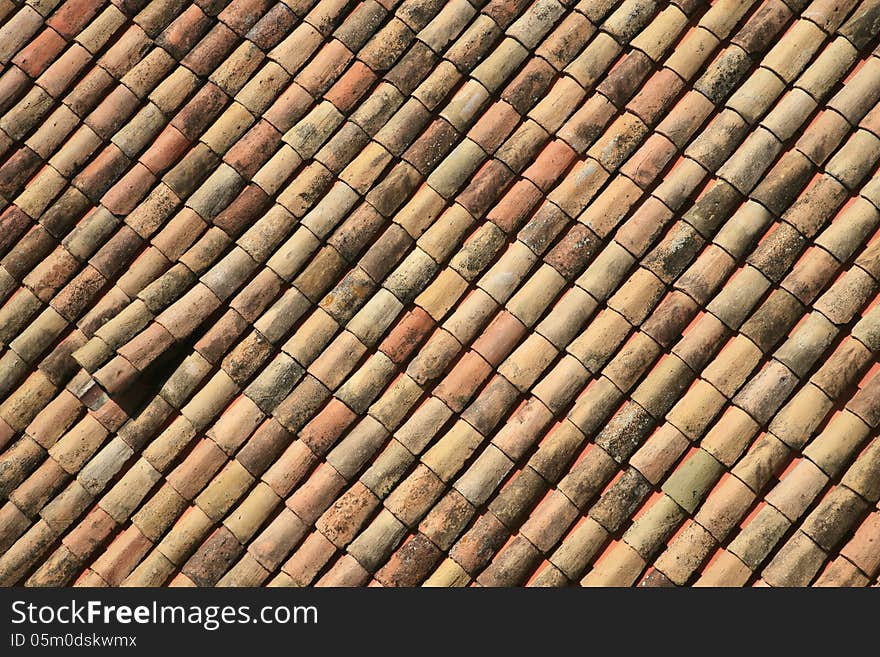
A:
(447, 293)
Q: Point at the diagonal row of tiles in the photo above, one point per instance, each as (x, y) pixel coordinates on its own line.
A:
(440, 218)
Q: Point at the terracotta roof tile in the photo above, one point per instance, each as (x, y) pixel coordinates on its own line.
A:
(572, 294)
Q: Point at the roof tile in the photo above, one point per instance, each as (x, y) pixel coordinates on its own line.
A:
(313, 355)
